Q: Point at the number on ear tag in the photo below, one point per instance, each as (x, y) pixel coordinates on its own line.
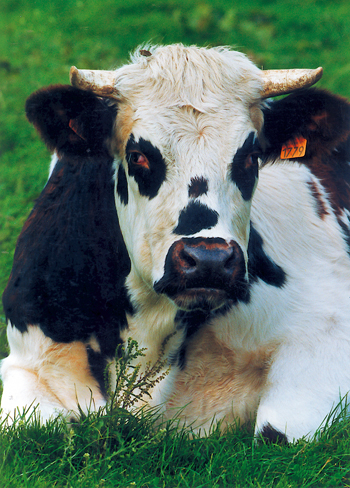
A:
(294, 149)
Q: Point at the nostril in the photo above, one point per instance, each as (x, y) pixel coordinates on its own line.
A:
(230, 262)
(187, 261)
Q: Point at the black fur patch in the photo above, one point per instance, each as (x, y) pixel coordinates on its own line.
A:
(198, 187)
(321, 118)
(244, 168)
(70, 261)
(191, 322)
(346, 233)
(273, 436)
(260, 265)
(98, 364)
(71, 121)
(122, 186)
(333, 171)
(149, 179)
(194, 218)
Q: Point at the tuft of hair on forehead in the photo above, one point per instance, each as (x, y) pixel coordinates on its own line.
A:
(202, 78)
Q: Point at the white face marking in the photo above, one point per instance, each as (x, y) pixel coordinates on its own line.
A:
(148, 224)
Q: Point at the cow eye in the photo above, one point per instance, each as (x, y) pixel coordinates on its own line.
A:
(251, 160)
(138, 159)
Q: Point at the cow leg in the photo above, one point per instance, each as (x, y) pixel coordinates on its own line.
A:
(47, 376)
(304, 384)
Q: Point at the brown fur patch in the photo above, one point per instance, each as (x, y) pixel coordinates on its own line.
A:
(219, 383)
(317, 121)
(332, 175)
(67, 376)
(319, 201)
(257, 117)
(125, 122)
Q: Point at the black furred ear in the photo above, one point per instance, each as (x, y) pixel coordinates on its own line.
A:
(323, 119)
(70, 120)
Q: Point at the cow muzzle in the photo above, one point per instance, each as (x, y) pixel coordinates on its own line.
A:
(204, 273)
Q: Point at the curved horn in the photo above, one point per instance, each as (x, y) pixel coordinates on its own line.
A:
(279, 82)
(98, 81)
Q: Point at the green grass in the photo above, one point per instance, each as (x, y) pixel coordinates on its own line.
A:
(114, 448)
(39, 41)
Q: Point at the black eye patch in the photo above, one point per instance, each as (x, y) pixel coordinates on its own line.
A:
(245, 168)
(146, 165)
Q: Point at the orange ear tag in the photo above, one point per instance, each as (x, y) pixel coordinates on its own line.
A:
(294, 149)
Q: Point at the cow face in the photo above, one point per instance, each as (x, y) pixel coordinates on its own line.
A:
(186, 171)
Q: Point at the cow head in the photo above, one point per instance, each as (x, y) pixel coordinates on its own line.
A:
(186, 170)
(187, 146)
(186, 143)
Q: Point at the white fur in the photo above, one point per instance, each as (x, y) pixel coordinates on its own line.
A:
(54, 159)
(41, 373)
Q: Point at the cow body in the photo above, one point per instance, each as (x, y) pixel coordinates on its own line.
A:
(238, 261)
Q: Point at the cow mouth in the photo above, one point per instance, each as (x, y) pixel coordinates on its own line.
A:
(206, 299)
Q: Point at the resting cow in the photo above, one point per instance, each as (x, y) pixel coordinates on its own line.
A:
(153, 225)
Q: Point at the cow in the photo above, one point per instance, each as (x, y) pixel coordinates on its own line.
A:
(190, 210)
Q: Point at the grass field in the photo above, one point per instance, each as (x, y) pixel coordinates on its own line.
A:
(39, 41)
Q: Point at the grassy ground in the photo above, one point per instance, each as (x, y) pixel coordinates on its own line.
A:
(119, 450)
(39, 41)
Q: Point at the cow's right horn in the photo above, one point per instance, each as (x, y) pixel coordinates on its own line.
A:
(279, 82)
(98, 81)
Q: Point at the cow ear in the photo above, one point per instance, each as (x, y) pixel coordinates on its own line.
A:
(319, 117)
(70, 120)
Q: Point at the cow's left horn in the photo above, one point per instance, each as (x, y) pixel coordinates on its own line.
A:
(279, 82)
(98, 81)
